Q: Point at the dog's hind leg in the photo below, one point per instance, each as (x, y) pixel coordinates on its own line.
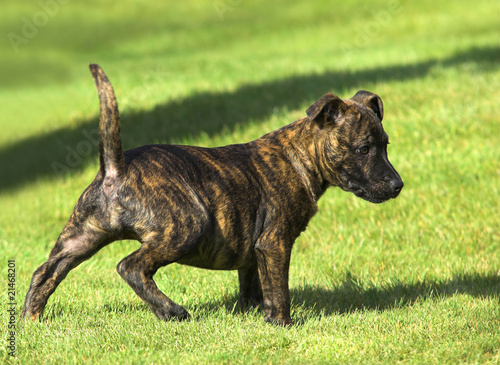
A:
(159, 249)
(138, 270)
(175, 236)
(92, 224)
(77, 242)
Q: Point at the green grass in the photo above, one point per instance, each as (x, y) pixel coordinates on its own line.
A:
(414, 280)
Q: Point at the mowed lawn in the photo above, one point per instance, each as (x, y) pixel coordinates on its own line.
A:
(413, 280)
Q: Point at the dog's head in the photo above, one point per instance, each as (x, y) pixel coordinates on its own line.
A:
(353, 146)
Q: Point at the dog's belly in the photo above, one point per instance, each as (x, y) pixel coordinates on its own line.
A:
(220, 255)
(236, 212)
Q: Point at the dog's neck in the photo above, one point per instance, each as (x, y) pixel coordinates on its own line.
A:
(301, 149)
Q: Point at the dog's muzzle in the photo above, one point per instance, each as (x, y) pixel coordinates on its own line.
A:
(391, 190)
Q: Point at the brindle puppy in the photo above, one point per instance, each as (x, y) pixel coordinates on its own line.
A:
(237, 207)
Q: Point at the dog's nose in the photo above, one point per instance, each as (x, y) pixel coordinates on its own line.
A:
(396, 185)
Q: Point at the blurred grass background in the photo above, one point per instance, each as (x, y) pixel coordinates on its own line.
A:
(415, 280)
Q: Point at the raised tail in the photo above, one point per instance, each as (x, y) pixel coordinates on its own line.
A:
(112, 161)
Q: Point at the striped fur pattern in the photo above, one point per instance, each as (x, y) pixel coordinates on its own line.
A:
(237, 207)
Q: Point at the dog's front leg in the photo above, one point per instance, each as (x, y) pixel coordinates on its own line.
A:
(273, 261)
(250, 290)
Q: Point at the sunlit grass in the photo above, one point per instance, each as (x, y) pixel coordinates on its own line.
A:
(414, 280)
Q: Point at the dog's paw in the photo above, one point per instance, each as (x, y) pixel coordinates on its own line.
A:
(279, 321)
(176, 312)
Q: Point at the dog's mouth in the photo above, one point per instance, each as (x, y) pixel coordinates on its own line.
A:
(366, 195)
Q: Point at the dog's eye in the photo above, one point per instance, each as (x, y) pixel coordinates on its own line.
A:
(363, 150)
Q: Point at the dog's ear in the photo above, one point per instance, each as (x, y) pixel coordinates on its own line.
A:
(327, 109)
(371, 101)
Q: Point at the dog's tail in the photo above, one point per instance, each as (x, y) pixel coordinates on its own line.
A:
(111, 159)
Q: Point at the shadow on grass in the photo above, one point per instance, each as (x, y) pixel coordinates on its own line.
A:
(71, 149)
(353, 295)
